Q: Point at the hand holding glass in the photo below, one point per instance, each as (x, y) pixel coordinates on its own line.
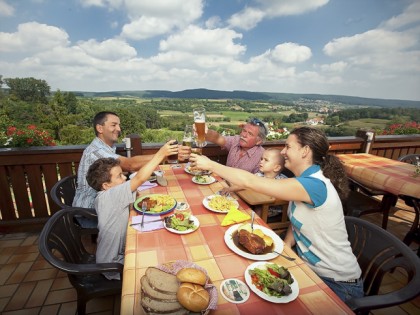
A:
(200, 126)
(186, 142)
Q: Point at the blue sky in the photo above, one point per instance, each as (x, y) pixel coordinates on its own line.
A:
(367, 48)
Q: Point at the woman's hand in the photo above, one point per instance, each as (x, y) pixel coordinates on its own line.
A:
(169, 148)
(201, 162)
(184, 152)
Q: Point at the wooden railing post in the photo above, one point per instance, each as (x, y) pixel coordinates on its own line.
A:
(369, 138)
(136, 147)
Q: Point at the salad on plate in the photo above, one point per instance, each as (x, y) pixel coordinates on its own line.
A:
(181, 223)
(272, 279)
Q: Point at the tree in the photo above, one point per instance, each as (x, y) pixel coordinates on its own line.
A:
(28, 89)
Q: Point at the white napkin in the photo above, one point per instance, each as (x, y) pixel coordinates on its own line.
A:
(151, 226)
(146, 185)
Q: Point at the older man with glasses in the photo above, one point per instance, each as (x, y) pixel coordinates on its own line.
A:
(245, 150)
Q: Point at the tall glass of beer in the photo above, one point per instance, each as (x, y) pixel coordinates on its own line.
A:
(200, 126)
(186, 141)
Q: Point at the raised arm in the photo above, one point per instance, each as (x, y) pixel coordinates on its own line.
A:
(147, 169)
(215, 137)
(286, 189)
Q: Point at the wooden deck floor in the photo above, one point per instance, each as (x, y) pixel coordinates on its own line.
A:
(29, 285)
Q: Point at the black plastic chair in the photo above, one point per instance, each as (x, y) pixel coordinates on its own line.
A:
(62, 193)
(378, 253)
(361, 201)
(61, 244)
(414, 233)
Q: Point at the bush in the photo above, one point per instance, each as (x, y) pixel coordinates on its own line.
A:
(29, 137)
(408, 128)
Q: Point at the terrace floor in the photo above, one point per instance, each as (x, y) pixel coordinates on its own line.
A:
(29, 285)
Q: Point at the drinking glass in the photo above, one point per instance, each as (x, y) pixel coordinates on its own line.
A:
(187, 140)
(200, 126)
(173, 159)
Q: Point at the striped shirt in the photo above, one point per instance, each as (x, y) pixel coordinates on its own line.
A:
(85, 195)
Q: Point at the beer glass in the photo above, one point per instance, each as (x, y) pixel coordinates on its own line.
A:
(200, 126)
(173, 159)
(187, 141)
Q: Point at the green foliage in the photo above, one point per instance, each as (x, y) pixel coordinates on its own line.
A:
(26, 137)
(408, 128)
(28, 89)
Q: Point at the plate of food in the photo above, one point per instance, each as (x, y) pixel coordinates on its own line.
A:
(260, 244)
(190, 171)
(157, 204)
(181, 223)
(271, 282)
(219, 203)
(203, 179)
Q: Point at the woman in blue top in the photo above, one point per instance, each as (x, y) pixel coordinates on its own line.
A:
(317, 226)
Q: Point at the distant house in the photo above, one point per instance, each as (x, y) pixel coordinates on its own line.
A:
(315, 121)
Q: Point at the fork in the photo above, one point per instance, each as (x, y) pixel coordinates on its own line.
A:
(144, 209)
(284, 256)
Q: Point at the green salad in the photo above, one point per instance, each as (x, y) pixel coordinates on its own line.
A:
(180, 222)
(272, 279)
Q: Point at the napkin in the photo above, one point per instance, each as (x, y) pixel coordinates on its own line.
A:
(235, 216)
(146, 185)
(148, 226)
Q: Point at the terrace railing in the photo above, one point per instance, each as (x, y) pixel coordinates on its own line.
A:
(28, 174)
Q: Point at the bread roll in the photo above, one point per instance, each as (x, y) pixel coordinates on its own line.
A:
(191, 275)
(193, 297)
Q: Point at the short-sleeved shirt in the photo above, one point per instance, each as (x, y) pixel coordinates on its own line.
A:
(249, 161)
(113, 207)
(320, 231)
(85, 195)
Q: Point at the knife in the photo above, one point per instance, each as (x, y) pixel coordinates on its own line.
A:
(157, 220)
(161, 181)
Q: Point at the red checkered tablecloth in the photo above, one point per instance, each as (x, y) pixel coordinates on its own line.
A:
(206, 248)
(382, 173)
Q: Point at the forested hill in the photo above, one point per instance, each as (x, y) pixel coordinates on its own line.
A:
(254, 96)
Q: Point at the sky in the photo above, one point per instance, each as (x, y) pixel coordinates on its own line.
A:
(365, 48)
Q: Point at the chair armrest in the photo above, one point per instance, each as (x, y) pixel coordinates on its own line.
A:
(397, 297)
(88, 268)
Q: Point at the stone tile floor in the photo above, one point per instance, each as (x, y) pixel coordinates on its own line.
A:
(29, 285)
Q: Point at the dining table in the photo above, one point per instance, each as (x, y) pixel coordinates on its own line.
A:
(254, 198)
(207, 248)
(391, 176)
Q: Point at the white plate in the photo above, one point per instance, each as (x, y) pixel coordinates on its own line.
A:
(209, 180)
(284, 299)
(152, 178)
(278, 243)
(206, 201)
(188, 170)
(193, 218)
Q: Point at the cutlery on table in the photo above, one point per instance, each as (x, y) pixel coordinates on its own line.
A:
(157, 220)
(282, 255)
(144, 208)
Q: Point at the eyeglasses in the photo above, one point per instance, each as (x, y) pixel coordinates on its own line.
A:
(256, 121)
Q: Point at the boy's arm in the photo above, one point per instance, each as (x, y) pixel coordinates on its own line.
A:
(146, 171)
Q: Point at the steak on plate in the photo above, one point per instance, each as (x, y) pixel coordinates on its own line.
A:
(253, 243)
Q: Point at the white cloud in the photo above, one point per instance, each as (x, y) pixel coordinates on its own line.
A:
(218, 42)
(246, 19)
(6, 9)
(410, 16)
(291, 53)
(33, 37)
(111, 49)
(249, 17)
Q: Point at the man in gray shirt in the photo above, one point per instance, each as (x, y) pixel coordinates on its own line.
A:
(107, 130)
